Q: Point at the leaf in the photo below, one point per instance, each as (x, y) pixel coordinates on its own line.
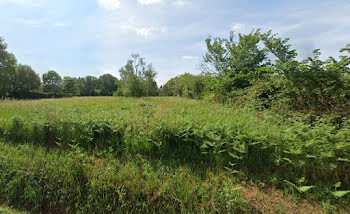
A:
(337, 185)
(290, 184)
(204, 146)
(340, 194)
(301, 180)
(232, 171)
(304, 189)
(311, 156)
(343, 160)
(301, 189)
(327, 154)
(235, 156)
(288, 160)
(240, 150)
(296, 151)
(232, 164)
(208, 143)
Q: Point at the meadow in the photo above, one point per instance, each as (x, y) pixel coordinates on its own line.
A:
(168, 155)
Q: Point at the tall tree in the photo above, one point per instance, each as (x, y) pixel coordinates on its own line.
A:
(70, 85)
(26, 80)
(52, 82)
(8, 69)
(151, 88)
(107, 84)
(88, 86)
(137, 78)
(236, 63)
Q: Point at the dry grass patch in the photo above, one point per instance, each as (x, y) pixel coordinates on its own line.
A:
(272, 200)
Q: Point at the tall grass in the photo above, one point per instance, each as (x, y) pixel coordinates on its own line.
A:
(242, 140)
(73, 182)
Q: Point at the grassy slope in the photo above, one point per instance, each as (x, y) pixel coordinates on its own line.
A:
(177, 132)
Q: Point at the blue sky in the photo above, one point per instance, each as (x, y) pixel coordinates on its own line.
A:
(93, 37)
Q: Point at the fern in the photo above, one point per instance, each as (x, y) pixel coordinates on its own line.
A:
(340, 194)
(300, 189)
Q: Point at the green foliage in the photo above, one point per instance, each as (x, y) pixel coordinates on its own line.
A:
(318, 86)
(279, 47)
(52, 82)
(189, 130)
(74, 182)
(185, 85)
(107, 84)
(239, 69)
(88, 86)
(137, 79)
(340, 194)
(246, 142)
(301, 189)
(26, 80)
(8, 70)
(70, 85)
(6, 210)
(235, 63)
(150, 85)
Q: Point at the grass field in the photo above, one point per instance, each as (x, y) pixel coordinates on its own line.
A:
(169, 155)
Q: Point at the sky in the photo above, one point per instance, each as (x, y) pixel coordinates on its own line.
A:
(93, 37)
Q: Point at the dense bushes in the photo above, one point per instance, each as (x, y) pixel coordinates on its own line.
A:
(186, 85)
(319, 86)
(261, 70)
(39, 95)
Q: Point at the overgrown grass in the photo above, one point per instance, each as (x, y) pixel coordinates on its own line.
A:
(74, 182)
(245, 142)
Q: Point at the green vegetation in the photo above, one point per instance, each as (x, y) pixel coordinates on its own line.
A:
(261, 70)
(74, 182)
(6, 210)
(186, 85)
(21, 82)
(285, 124)
(168, 154)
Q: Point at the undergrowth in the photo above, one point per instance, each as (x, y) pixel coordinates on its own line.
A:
(246, 142)
(74, 182)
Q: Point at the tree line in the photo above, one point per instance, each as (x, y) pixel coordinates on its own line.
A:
(262, 69)
(258, 68)
(137, 78)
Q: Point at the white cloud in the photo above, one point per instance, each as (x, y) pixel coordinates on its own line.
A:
(180, 3)
(145, 32)
(110, 4)
(149, 2)
(238, 27)
(243, 28)
(190, 57)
